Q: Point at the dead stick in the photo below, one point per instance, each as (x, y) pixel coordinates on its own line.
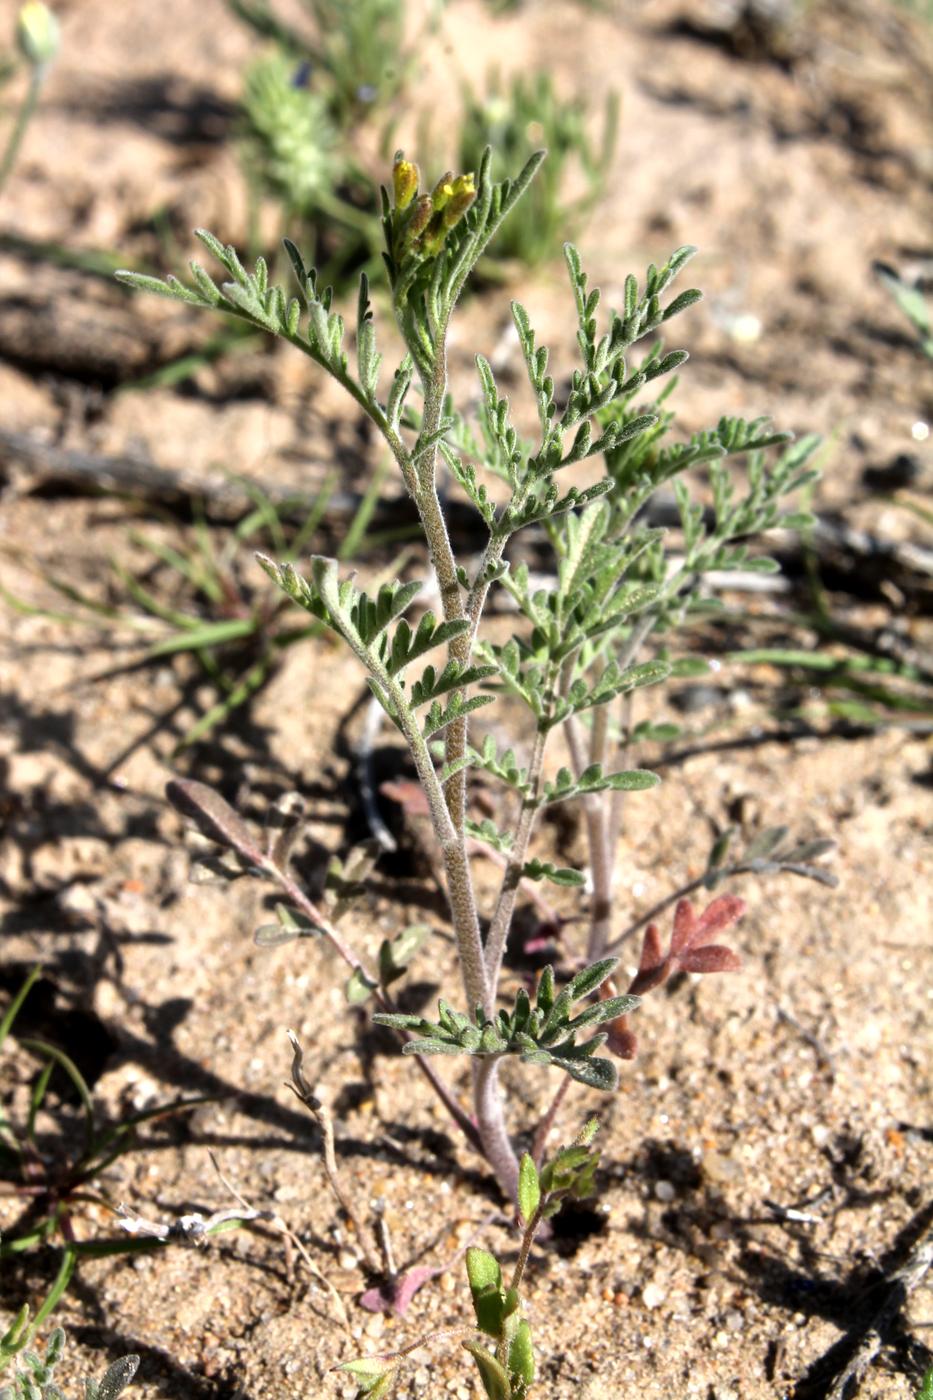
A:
(900, 1285)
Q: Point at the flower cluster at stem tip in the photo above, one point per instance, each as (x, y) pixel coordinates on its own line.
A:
(422, 222)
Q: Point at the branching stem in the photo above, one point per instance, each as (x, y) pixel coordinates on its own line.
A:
(295, 893)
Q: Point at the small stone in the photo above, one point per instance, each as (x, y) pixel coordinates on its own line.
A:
(664, 1191)
(653, 1295)
(376, 1325)
(719, 1168)
(347, 1259)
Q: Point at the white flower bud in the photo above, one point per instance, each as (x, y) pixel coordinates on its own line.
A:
(37, 33)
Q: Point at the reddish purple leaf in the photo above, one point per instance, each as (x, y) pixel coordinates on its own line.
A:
(214, 817)
(396, 1295)
(684, 926)
(653, 966)
(721, 914)
(622, 1042)
(409, 795)
(712, 957)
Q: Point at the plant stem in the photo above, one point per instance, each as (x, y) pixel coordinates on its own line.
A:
(479, 986)
(298, 896)
(445, 566)
(23, 118)
(508, 891)
(544, 1128)
(595, 815)
(528, 1238)
(490, 1119)
(319, 1112)
(602, 811)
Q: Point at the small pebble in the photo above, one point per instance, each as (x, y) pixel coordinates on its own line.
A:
(719, 1168)
(664, 1191)
(653, 1295)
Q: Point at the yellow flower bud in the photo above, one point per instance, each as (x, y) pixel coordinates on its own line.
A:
(463, 194)
(433, 236)
(420, 217)
(405, 179)
(443, 190)
(37, 33)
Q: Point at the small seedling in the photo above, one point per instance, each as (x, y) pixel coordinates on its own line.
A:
(358, 56)
(298, 159)
(503, 1352)
(573, 664)
(911, 301)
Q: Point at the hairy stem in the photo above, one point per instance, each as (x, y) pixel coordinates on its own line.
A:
(508, 891)
(595, 816)
(450, 824)
(490, 1118)
(445, 567)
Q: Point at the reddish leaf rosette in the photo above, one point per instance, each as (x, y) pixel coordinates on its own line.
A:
(691, 950)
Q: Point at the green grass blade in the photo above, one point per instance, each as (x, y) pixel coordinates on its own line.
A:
(35, 1100)
(356, 532)
(13, 1010)
(200, 635)
(265, 512)
(149, 602)
(254, 679)
(42, 1047)
(314, 517)
(199, 580)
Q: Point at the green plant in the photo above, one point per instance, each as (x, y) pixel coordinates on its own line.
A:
(37, 39)
(506, 1371)
(34, 1381)
(195, 598)
(358, 52)
(576, 654)
(911, 301)
(297, 157)
(515, 118)
(56, 1174)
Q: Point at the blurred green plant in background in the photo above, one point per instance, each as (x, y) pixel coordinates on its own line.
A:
(37, 40)
(515, 118)
(195, 597)
(346, 49)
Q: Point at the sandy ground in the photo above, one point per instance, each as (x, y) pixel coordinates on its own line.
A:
(802, 1082)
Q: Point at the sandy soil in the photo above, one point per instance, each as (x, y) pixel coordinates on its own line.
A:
(802, 1082)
